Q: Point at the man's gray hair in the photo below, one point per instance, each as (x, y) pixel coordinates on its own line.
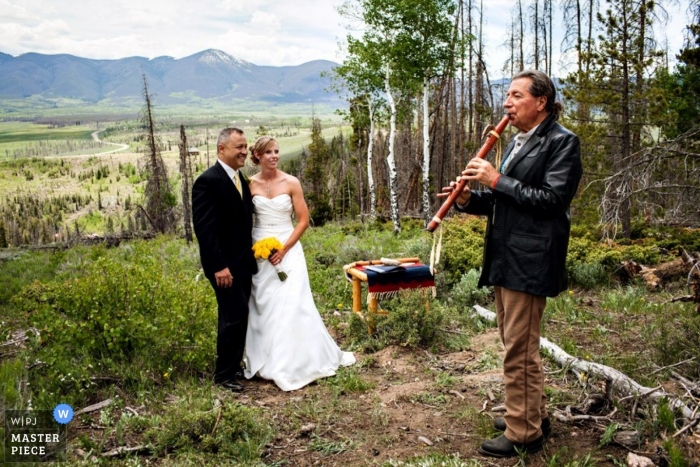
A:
(542, 85)
(225, 134)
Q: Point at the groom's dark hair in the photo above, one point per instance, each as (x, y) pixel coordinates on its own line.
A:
(225, 134)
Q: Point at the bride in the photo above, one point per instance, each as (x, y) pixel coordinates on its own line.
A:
(287, 341)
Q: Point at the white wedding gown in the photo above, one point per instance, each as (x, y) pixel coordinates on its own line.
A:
(287, 341)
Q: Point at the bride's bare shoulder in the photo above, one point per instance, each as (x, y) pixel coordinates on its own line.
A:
(289, 178)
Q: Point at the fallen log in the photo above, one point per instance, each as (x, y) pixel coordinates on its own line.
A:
(655, 276)
(621, 382)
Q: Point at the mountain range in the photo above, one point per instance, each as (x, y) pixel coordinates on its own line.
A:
(210, 74)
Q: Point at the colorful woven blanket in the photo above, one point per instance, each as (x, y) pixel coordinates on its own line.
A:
(384, 281)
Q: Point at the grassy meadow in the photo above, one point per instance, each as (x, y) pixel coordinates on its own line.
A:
(48, 162)
(133, 326)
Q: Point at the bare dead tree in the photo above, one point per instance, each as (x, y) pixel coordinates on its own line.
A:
(470, 81)
(663, 181)
(549, 28)
(159, 198)
(573, 33)
(463, 130)
(186, 176)
(521, 36)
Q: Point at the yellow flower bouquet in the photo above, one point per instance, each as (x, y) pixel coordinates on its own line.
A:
(267, 247)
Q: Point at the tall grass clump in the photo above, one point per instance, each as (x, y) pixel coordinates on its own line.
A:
(220, 432)
(675, 337)
(131, 316)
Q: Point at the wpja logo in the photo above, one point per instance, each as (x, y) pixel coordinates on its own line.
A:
(36, 435)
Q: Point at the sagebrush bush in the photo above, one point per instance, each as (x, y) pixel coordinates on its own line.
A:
(467, 293)
(589, 275)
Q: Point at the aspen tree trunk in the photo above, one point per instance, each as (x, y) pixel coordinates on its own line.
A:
(370, 177)
(426, 154)
(390, 159)
(536, 28)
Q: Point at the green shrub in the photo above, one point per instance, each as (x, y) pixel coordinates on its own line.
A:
(467, 293)
(347, 380)
(128, 313)
(672, 239)
(406, 323)
(462, 247)
(589, 275)
(591, 264)
(13, 388)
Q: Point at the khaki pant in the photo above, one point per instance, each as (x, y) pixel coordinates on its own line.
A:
(519, 315)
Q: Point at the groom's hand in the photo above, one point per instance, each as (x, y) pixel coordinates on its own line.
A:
(223, 278)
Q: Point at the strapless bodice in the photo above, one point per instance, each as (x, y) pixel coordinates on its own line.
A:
(273, 212)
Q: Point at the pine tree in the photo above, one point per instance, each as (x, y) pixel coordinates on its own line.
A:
(317, 160)
(617, 94)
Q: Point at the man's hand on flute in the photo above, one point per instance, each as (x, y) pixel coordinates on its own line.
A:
(482, 171)
(478, 169)
(463, 197)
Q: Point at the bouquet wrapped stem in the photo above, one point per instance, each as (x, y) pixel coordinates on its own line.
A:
(265, 248)
(280, 273)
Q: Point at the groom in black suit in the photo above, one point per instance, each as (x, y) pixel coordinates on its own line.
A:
(222, 211)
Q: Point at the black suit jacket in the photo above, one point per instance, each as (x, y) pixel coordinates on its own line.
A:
(223, 223)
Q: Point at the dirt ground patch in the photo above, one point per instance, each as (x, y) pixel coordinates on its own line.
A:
(420, 403)
(414, 403)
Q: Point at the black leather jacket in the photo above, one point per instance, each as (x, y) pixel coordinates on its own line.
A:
(527, 235)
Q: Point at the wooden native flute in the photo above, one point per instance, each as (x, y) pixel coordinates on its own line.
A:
(493, 137)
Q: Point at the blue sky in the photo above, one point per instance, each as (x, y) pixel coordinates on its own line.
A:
(263, 32)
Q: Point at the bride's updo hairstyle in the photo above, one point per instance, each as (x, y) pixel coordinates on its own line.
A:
(261, 145)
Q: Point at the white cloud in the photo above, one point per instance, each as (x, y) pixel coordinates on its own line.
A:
(266, 23)
(264, 32)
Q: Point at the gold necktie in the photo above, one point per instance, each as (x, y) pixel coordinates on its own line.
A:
(237, 182)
